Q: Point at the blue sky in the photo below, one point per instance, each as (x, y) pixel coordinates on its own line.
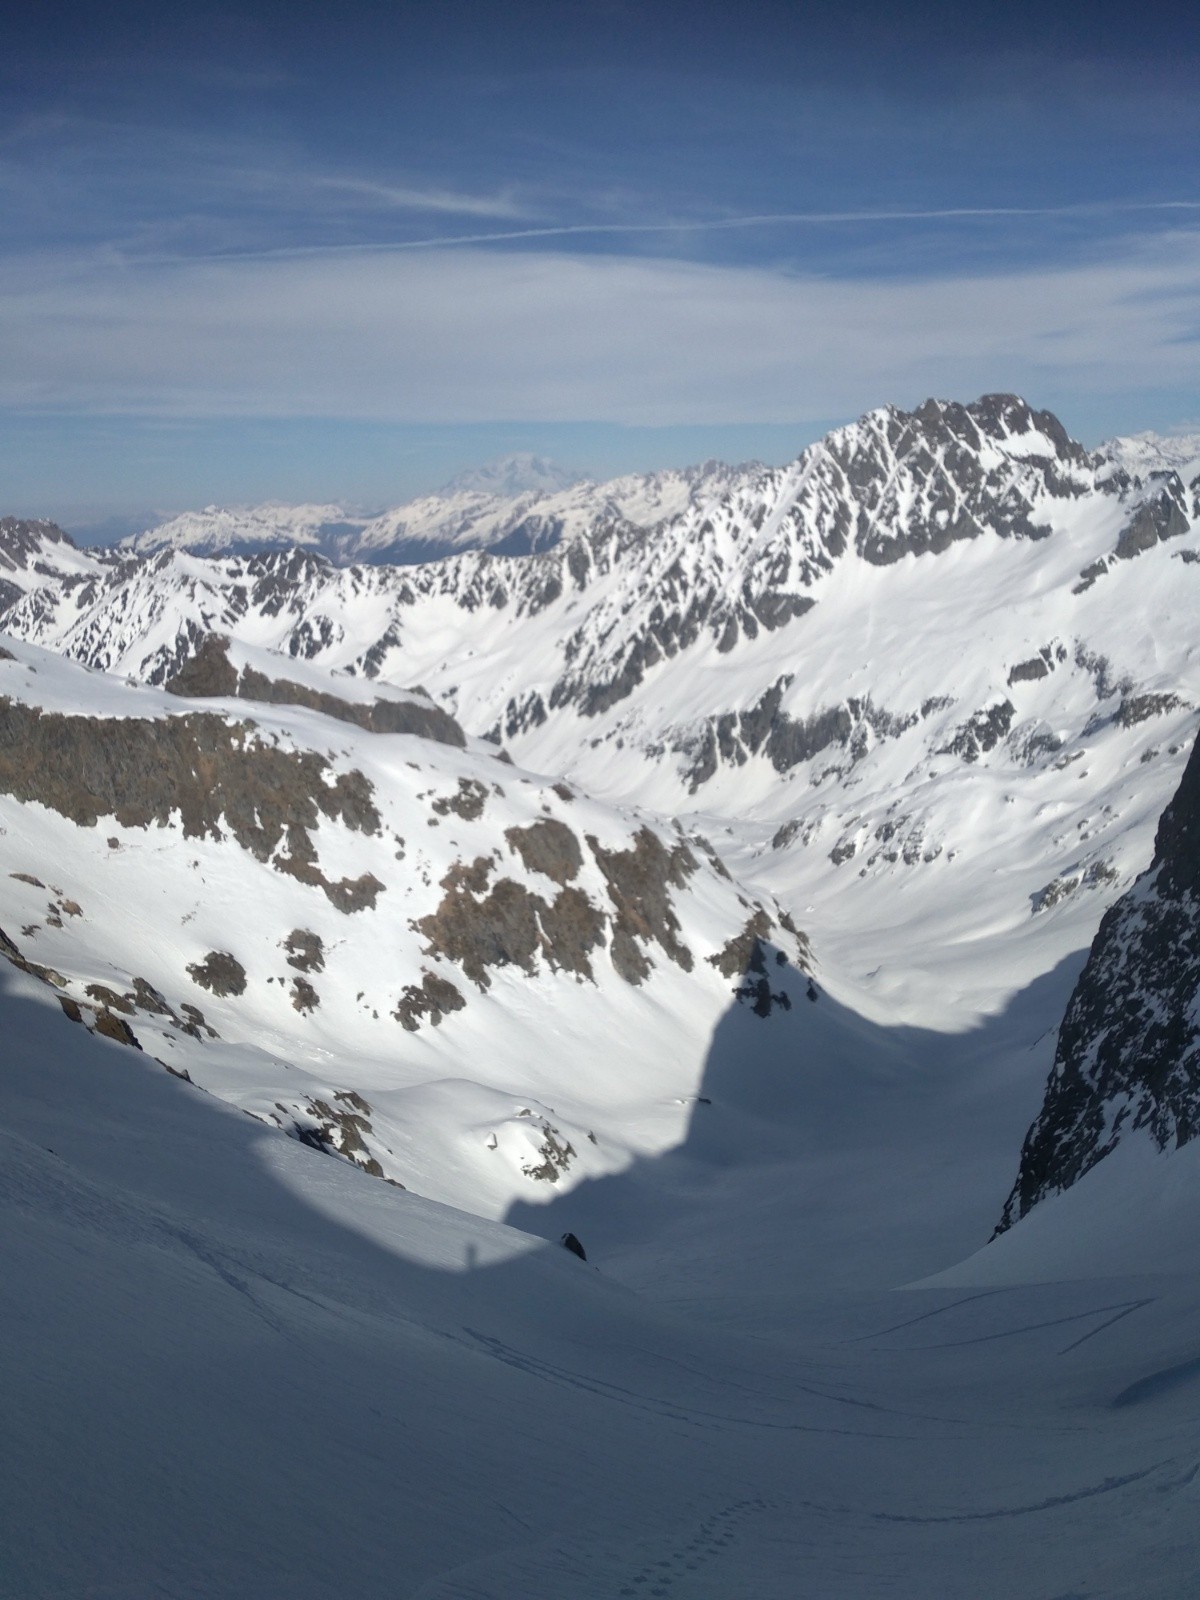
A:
(318, 252)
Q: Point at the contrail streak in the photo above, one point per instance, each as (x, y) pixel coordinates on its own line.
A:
(768, 219)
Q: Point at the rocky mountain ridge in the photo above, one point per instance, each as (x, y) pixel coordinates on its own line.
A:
(1128, 1053)
(749, 563)
(882, 669)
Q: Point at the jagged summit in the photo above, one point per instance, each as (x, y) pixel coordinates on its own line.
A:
(21, 537)
(522, 504)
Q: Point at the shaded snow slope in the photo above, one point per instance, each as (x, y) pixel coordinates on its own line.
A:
(240, 1368)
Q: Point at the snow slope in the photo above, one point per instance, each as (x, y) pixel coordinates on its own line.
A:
(471, 980)
(242, 1368)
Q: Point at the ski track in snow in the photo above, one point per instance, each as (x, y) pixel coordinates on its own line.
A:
(691, 1415)
(1122, 1309)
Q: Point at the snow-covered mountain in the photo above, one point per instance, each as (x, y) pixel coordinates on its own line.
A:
(711, 887)
(936, 678)
(509, 476)
(533, 520)
(926, 691)
(513, 506)
(241, 530)
(1156, 452)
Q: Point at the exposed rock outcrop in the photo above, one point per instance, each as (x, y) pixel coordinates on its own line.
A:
(212, 774)
(220, 973)
(511, 926)
(981, 732)
(742, 953)
(748, 957)
(507, 924)
(732, 737)
(304, 997)
(467, 801)
(305, 950)
(434, 997)
(1128, 1055)
(639, 881)
(549, 847)
(210, 672)
(339, 1126)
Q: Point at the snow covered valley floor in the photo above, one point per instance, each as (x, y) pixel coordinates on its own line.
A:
(236, 1367)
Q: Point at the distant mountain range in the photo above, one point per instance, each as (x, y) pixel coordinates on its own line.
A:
(514, 506)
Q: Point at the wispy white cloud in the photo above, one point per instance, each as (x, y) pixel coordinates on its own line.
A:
(403, 198)
(766, 219)
(470, 335)
(70, 175)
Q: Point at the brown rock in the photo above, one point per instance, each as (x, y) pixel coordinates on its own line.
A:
(114, 1027)
(639, 881)
(219, 972)
(305, 950)
(434, 997)
(304, 997)
(215, 775)
(549, 847)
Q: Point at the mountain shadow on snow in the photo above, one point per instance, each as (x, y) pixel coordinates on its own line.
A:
(794, 1095)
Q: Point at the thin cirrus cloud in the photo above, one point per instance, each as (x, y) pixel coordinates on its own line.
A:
(467, 335)
(401, 198)
(757, 220)
(72, 174)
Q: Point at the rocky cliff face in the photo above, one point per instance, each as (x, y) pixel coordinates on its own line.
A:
(211, 673)
(1128, 1056)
